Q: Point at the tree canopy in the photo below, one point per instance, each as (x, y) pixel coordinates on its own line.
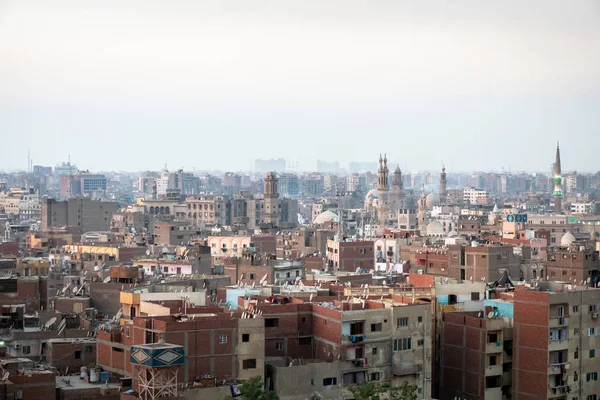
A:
(373, 391)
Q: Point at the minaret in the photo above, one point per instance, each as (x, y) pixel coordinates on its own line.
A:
(271, 215)
(443, 183)
(154, 190)
(557, 183)
(422, 209)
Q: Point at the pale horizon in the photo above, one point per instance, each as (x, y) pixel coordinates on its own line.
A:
(214, 86)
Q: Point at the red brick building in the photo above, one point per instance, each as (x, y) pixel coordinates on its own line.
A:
(350, 255)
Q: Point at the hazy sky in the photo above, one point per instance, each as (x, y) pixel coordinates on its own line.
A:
(128, 85)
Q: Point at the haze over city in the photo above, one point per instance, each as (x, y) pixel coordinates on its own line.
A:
(213, 85)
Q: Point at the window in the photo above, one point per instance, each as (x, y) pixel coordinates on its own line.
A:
(592, 308)
(305, 341)
(575, 309)
(560, 311)
(251, 276)
(593, 331)
(591, 376)
(376, 327)
(420, 342)
(78, 354)
(356, 328)
(375, 376)
(18, 395)
(249, 364)
(374, 350)
(576, 331)
(245, 337)
(493, 360)
(222, 339)
(402, 321)
(590, 397)
(592, 353)
(492, 338)
(127, 331)
(26, 349)
(303, 319)
(271, 322)
(279, 346)
(88, 349)
(329, 381)
(402, 344)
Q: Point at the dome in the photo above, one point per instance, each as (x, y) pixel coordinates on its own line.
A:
(432, 200)
(452, 234)
(371, 194)
(567, 239)
(325, 216)
(435, 229)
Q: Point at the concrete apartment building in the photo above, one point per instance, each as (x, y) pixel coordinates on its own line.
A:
(557, 225)
(350, 255)
(172, 233)
(386, 341)
(82, 213)
(556, 343)
(485, 262)
(573, 263)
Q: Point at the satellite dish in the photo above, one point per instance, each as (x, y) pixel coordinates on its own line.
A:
(588, 280)
(106, 280)
(49, 323)
(5, 376)
(311, 297)
(491, 314)
(147, 252)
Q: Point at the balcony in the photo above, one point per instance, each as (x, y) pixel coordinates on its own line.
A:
(554, 369)
(408, 368)
(558, 322)
(493, 370)
(558, 391)
(493, 393)
(556, 345)
(495, 347)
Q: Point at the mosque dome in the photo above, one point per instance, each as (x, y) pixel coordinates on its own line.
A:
(432, 200)
(434, 228)
(567, 239)
(325, 216)
(371, 194)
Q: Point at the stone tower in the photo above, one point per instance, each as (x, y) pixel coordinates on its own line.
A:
(443, 183)
(383, 189)
(557, 183)
(271, 213)
(422, 210)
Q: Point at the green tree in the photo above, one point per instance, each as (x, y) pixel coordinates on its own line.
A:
(403, 392)
(367, 391)
(372, 391)
(252, 389)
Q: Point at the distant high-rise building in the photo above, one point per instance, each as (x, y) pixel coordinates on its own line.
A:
(40, 170)
(269, 165)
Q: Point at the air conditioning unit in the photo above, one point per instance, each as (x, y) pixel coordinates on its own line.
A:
(17, 346)
(595, 315)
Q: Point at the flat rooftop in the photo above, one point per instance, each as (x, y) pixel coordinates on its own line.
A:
(75, 383)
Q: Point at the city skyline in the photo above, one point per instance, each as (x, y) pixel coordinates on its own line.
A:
(467, 84)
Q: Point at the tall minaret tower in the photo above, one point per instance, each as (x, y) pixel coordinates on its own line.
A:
(271, 215)
(422, 210)
(443, 183)
(397, 185)
(557, 183)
